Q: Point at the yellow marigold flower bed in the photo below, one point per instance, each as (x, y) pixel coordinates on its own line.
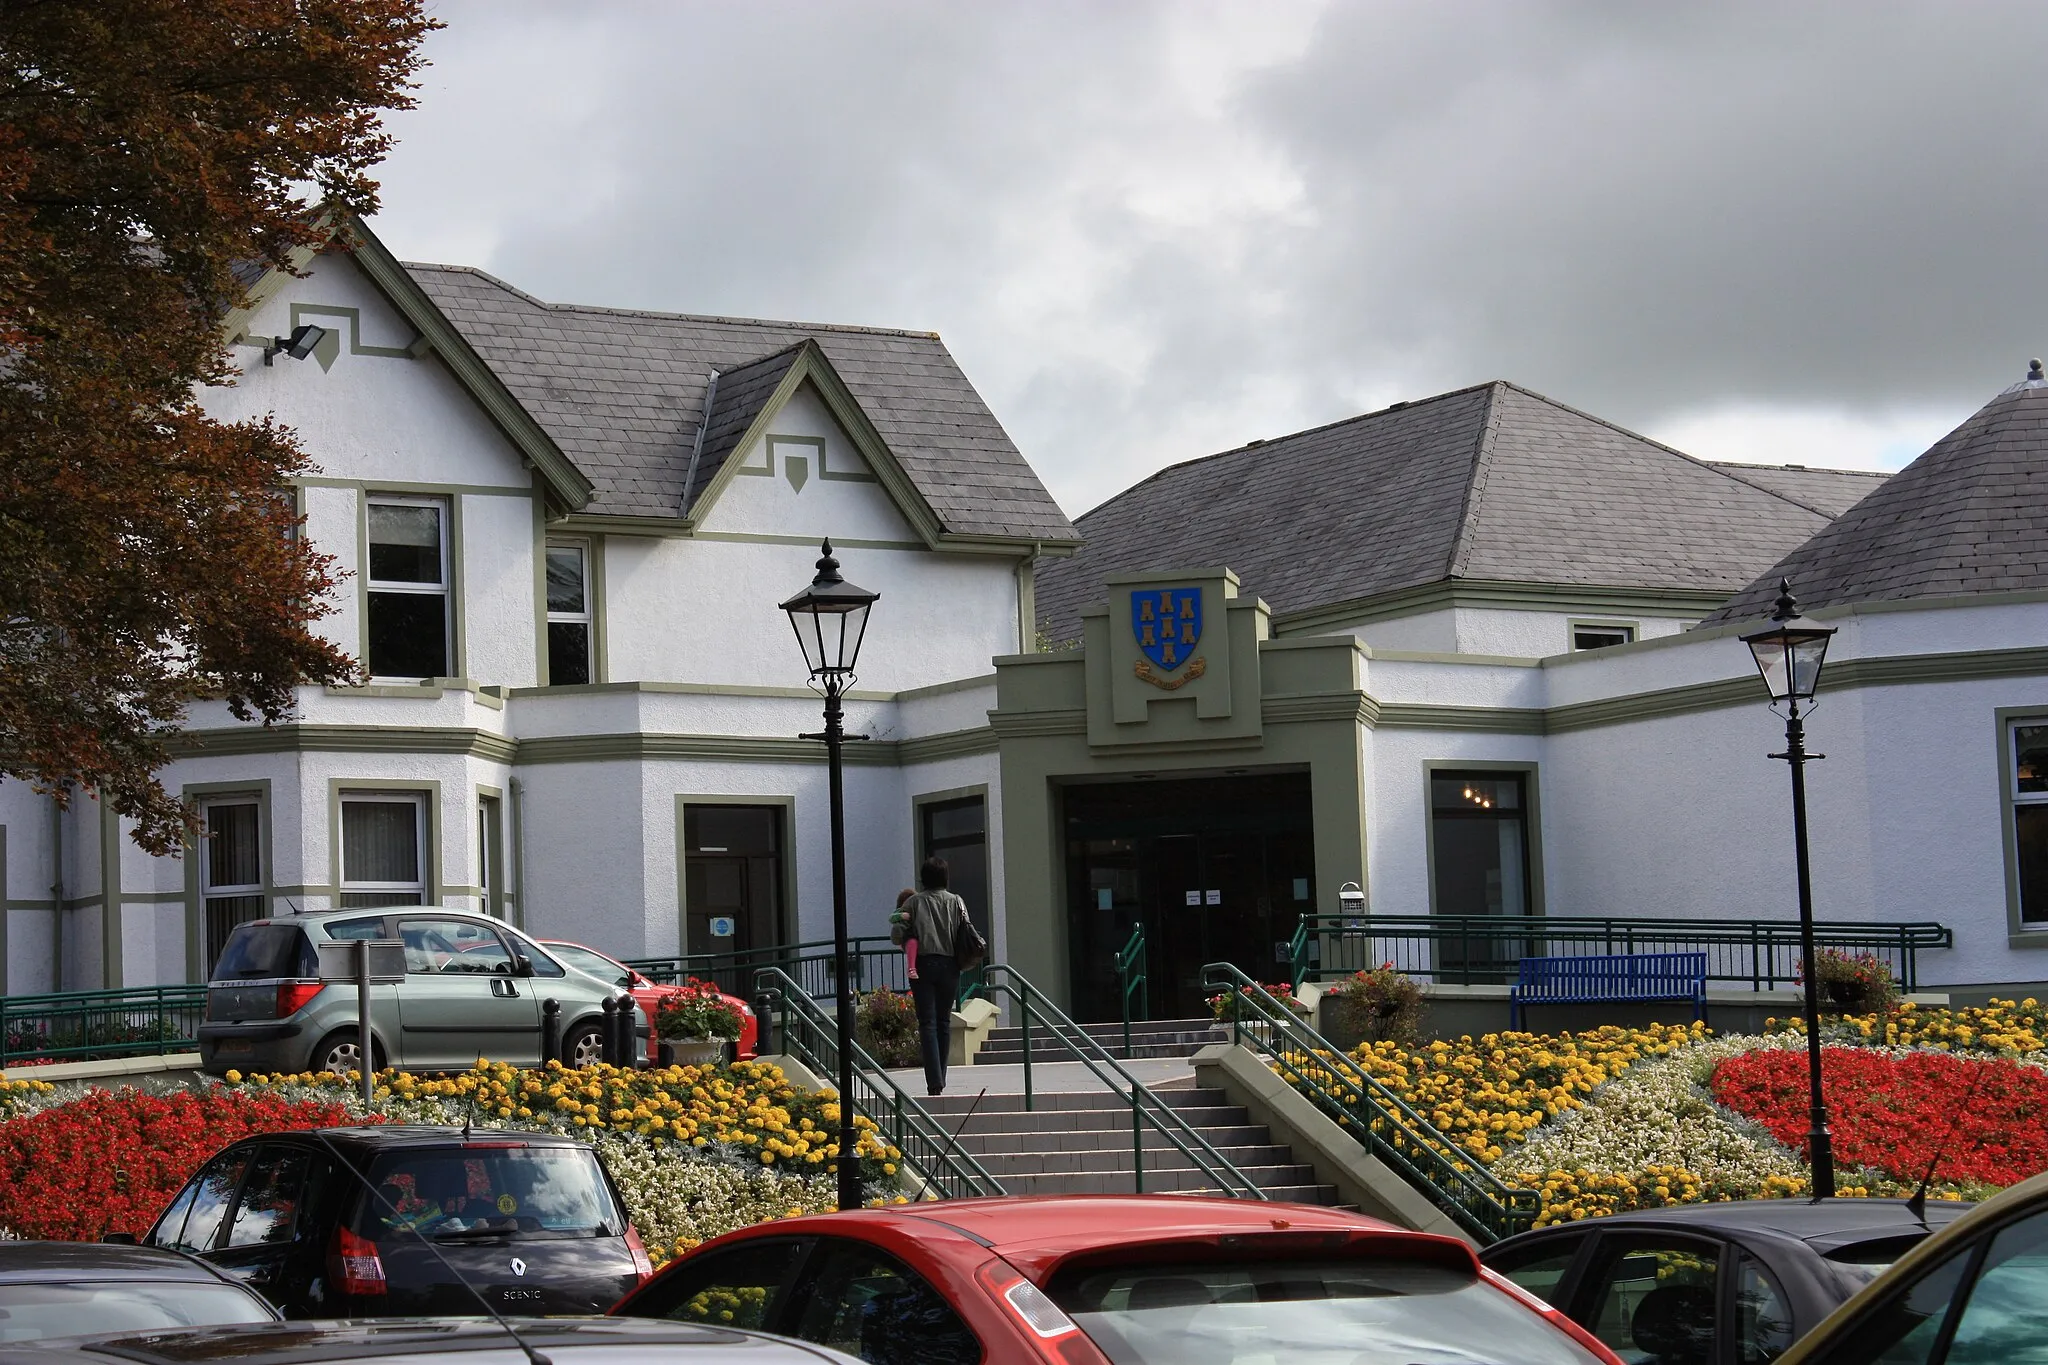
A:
(2002, 1028)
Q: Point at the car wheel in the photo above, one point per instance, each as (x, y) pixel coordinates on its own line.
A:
(583, 1047)
(343, 1052)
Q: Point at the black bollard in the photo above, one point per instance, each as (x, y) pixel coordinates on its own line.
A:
(627, 1021)
(608, 1032)
(764, 1017)
(550, 1031)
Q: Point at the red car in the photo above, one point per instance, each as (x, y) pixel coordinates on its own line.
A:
(1114, 1280)
(647, 994)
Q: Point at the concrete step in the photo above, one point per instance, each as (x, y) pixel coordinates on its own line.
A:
(1082, 1120)
(960, 1100)
(1137, 1051)
(1279, 1182)
(1101, 1139)
(1002, 1165)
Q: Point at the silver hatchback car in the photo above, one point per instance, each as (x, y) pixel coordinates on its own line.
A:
(474, 988)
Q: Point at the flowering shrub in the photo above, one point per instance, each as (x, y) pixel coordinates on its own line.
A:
(1986, 1119)
(1230, 1005)
(698, 1010)
(676, 1204)
(1852, 983)
(1381, 1006)
(110, 1160)
(885, 1022)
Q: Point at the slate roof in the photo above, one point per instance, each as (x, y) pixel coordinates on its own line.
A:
(1969, 516)
(736, 400)
(622, 393)
(1833, 491)
(1489, 483)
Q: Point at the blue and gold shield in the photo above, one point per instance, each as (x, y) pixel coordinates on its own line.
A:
(1167, 622)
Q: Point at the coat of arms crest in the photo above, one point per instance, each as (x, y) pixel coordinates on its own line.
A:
(1168, 624)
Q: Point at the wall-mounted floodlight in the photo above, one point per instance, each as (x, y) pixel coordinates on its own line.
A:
(298, 345)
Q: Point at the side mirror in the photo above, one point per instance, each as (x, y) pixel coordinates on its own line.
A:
(120, 1239)
(522, 965)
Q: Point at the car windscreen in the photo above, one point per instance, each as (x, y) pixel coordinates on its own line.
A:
(262, 952)
(31, 1312)
(486, 1192)
(592, 964)
(1309, 1311)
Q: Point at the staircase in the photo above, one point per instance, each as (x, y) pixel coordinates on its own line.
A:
(1153, 1038)
(1080, 1142)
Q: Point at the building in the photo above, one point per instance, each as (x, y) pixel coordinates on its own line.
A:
(1475, 654)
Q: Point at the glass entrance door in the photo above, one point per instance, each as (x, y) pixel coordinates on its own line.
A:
(732, 879)
(1217, 870)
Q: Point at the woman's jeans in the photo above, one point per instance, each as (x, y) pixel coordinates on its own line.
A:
(938, 981)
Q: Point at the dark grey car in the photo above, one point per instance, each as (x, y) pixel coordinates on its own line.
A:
(474, 987)
(61, 1289)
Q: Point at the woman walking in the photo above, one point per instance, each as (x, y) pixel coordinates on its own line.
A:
(930, 954)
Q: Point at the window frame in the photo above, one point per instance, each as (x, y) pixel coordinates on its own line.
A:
(588, 618)
(2021, 932)
(426, 844)
(451, 634)
(1631, 631)
(1532, 819)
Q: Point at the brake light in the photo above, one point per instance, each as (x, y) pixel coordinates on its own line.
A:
(354, 1264)
(1059, 1338)
(293, 996)
(643, 1264)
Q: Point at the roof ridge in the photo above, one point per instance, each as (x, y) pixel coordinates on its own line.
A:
(1401, 405)
(1751, 483)
(1799, 468)
(1475, 481)
(720, 318)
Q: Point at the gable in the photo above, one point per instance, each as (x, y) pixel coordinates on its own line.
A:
(799, 474)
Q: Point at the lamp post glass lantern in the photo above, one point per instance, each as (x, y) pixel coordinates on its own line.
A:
(1789, 654)
(830, 618)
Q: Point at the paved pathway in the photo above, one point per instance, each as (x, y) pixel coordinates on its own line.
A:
(1049, 1077)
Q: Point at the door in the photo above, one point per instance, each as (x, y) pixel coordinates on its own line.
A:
(864, 1302)
(460, 1001)
(744, 1286)
(1653, 1297)
(265, 1231)
(732, 883)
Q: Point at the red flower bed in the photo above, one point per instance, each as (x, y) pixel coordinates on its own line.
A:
(1893, 1114)
(110, 1160)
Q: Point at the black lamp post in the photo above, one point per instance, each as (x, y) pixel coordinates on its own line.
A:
(830, 616)
(1789, 656)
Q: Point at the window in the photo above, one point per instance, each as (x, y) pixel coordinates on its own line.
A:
(1596, 635)
(408, 584)
(865, 1303)
(737, 1288)
(2030, 819)
(2001, 1320)
(383, 838)
(1655, 1301)
(212, 1191)
(452, 947)
(490, 894)
(270, 1198)
(958, 832)
(569, 616)
(1541, 1268)
(230, 868)
(1480, 843)
(1763, 1323)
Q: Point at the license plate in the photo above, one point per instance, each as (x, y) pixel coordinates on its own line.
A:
(236, 1047)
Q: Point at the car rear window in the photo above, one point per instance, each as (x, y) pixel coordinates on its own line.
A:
(259, 952)
(482, 1192)
(1310, 1311)
(32, 1312)
(1863, 1262)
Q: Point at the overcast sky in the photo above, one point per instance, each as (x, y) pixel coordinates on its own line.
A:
(1804, 233)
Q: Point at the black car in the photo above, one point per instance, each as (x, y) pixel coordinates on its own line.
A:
(1714, 1284)
(60, 1289)
(565, 1341)
(395, 1220)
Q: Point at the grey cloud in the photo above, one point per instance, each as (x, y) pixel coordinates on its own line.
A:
(1143, 250)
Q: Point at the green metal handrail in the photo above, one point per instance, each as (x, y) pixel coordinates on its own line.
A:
(88, 1025)
(1130, 973)
(1484, 949)
(1147, 1109)
(1441, 1170)
(877, 963)
(929, 1150)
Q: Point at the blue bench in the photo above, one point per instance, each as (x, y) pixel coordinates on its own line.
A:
(1626, 977)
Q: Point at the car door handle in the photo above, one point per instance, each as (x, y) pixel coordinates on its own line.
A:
(504, 989)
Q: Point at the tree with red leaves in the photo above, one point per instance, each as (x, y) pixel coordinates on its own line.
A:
(155, 160)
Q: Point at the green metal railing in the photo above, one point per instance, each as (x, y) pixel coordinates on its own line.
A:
(1130, 977)
(877, 965)
(1441, 1170)
(1147, 1109)
(1485, 949)
(811, 1034)
(89, 1025)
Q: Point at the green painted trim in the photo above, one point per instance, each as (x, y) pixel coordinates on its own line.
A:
(642, 747)
(458, 617)
(1048, 724)
(355, 330)
(1573, 624)
(788, 920)
(808, 542)
(452, 551)
(600, 636)
(563, 477)
(437, 490)
(1313, 707)
(6, 986)
(1495, 720)
(593, 593)
(1472, 592)
(235, 323)
(345, 739)
(941, 689)
(517, 897)
(1426, 656)
(705, 690)
(430, 835)
(2017, 929)
(1027, 606)
(539, 551)
(197, 969)
(492, 850)
(1532, 821)
(112, 973)
(952, 744)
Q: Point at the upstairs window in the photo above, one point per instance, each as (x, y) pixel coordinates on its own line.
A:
(230, 868)
(1595, 635)
(408, 588)
(2029, 796)
(568, 615)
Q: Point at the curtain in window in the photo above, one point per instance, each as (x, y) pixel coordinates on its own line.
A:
(232, 856)
(380, 841)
